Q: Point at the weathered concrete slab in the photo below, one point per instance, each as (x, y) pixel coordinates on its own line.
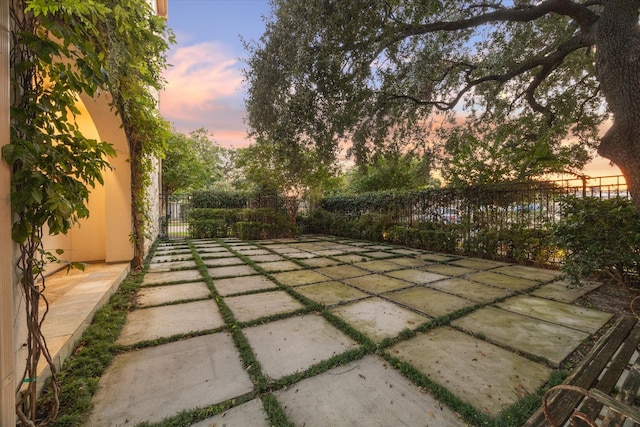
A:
(377, 283)
(351, 258)
(250, 252)
(429, 301)
(165, 321)
(564, 292)
(341, 271)
(403, 251)
(237, 285)
(485, 375)
(171, 265)
(281, 266)
(294, 344)
(330, 293)
(378, 266)
(328, 252)
(502, 280)
(377, 318)
(320, 262)
(409, 262)
(250, 307)
(158, 382)
(363, 392)
(418, 277)
(219, 262)
(303, 277)
(231, 271)
(158, 258)
(171, 277)
(156, 295)
(265, 258)
(478, 263)
(301, 255)
(436, 257)
(571, 316)
(448, 269)
(379, 254)
(531, 273)
(471, 290)
(251, 414)
(537, 337)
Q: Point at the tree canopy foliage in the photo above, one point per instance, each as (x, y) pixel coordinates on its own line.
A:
(191, 162)
(523, 73)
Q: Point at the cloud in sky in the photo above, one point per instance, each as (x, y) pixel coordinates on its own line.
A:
(204, 89)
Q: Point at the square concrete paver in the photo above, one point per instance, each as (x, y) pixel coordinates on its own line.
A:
(219, 262)
(436, 257)
(409, 262)
(231, 271)
(502, 280)
(248, 414)
(478, 263)
(330, 293)
(364, 392)
(485, 375)
(377, 283)
(351, 258)
(281, 266)
(341, 271)
(290, 345)
(158, 258)
(254, 306)
(158, 382)
(537, 337)
(378, 266)
(171, 265)
(377, 318)
(429, 301)
(266, 258)
(531, 273)
(418, 277)
(165, 321)
(238, 285)
(448, 269)
(320, 262)
(571, 316)
(296, 278)
(156, 295)
(171, 277)
(564, 292)
(471, 290)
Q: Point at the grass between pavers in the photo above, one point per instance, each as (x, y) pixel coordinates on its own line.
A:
(97, 348)
(79, 376)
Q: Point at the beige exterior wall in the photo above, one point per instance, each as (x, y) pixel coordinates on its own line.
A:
(7, 279)
(104, 236)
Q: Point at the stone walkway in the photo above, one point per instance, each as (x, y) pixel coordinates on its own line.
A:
(313, 332)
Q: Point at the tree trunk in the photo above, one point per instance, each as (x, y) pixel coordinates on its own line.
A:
(618, 70)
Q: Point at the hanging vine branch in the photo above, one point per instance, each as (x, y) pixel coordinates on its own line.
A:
(58, 50)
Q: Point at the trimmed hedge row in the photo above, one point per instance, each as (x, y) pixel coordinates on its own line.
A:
(246, 224)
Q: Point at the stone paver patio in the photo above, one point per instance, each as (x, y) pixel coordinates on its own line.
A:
(315, 331)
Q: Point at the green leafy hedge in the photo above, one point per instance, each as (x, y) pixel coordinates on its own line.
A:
(219, 199)
(600, 236)
(248, 224)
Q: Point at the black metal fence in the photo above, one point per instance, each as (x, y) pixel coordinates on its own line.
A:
(530, 204)
(175, 216)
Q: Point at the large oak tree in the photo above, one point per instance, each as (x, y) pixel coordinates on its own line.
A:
(375, 72)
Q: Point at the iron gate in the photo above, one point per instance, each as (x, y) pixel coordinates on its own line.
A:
(174, 218)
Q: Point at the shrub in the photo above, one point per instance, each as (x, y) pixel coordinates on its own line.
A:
(219, 199)
(599, 235)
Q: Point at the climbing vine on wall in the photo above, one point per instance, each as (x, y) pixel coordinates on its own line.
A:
(60, 49)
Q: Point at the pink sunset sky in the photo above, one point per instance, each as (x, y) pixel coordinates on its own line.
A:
(205, 84)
